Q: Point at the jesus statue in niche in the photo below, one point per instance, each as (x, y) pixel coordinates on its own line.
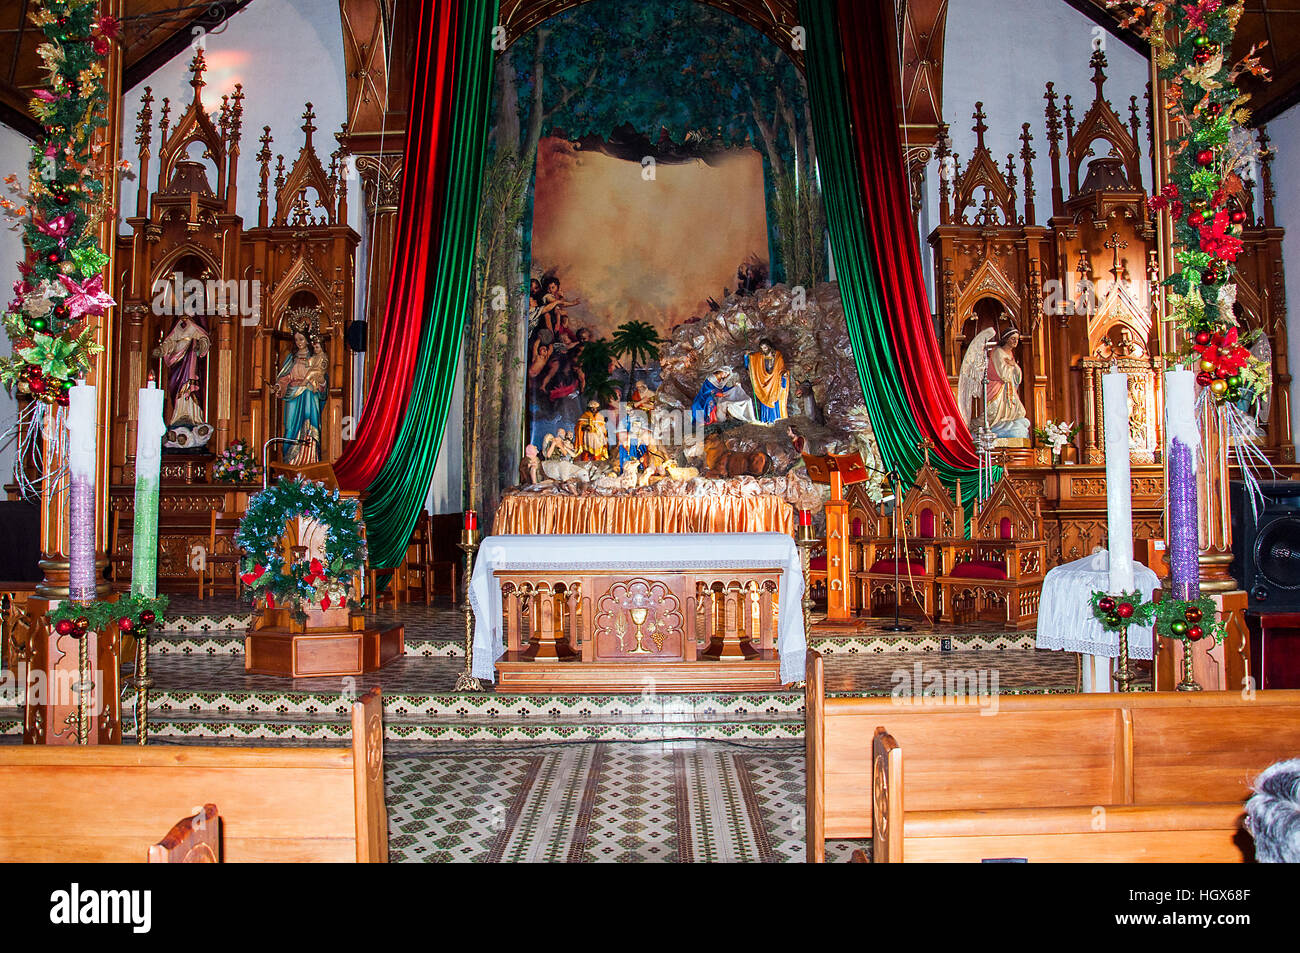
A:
(769, 381)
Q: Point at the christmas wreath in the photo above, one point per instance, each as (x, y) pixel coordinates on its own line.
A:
(1116, 613)
(1190, 620)
(308, 581)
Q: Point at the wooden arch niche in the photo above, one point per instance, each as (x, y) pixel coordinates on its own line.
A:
(277, 342)
(178, 290)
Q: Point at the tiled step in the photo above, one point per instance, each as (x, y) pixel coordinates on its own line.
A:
(869, 642)
(231, 642)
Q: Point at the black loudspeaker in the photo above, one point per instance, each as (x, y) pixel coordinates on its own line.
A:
(1266, 547)
(356, 336)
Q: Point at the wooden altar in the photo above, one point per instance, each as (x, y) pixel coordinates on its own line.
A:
(653, 613)
(652, 631)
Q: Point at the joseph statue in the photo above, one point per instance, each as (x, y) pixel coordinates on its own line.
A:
(769, 381)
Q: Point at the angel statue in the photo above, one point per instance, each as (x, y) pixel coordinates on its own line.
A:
(990, 371)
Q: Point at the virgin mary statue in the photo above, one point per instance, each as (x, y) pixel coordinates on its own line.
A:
(302, 384)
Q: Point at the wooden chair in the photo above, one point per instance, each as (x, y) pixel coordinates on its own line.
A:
(868, 527)
(193, 840)
(928, 521)
(422, 565)
(218, 561)
(396, 576)
(997, 574)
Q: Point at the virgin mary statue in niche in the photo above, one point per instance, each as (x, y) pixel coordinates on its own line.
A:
(302, 384)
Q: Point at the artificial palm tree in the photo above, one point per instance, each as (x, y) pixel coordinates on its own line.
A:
(638, 341)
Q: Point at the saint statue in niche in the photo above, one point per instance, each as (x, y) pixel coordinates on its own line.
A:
(302, 384)
(181, 350)
(769, 381)
(988, 386)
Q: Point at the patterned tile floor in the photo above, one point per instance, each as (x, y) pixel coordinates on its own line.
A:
(702, 802)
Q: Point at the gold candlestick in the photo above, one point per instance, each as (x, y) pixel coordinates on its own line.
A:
(142, 685)
(1123, 673)
(83, 683)
(1188, 684)
(465, 681)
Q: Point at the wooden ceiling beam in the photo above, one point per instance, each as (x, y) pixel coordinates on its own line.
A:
(144, 64)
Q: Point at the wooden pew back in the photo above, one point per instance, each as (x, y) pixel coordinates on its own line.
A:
(1056, 751)
(108, 803)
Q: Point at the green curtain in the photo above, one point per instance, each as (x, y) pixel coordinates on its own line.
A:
(395, 498)
(879, 373)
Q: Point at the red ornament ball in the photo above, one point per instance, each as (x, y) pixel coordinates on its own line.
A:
(1124, 610)
(37, 384)
(147, 617)
(1195, 632)
(1238, 217)
(63, 400)
(1203, 338)
(82, 623)
(64, 627)
(1195, 219)
(126, 624)
(52, 258)
(1106, 604)
(1205, 156)
(1193, 614)
(1204, 379)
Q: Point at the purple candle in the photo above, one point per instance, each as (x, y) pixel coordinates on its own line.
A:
(82, 416)
(1184, 533)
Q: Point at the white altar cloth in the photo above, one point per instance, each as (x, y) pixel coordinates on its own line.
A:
(1065, 619)
(684, 551)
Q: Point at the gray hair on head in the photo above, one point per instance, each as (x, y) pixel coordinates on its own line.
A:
(1273, 813)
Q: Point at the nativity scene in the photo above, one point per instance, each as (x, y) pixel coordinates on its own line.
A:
(596, 431)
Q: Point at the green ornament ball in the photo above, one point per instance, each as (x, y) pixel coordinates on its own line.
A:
(39, 324)
(1234, 381)
(1178, 627)
(1202, 40)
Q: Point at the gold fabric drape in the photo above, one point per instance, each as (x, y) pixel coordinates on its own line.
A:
(535, 514)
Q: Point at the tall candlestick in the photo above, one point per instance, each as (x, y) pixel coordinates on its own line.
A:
(82, 434)
(1183, 439)
(148, 466)
(1119, 488)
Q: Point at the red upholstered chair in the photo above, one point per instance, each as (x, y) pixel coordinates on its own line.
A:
(929, 520)
(997, 574)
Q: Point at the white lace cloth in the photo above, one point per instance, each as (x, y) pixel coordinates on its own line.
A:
(658, 551)
(1065, 619)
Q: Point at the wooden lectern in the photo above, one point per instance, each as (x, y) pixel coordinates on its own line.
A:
(837, 470)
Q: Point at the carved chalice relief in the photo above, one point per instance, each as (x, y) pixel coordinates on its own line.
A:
(639, 613)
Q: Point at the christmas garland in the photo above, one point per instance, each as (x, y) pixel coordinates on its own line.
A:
(1204, 197)
(61, 286)
(1119, 612)
(1189, 619)
(302, 581)
(130, 615)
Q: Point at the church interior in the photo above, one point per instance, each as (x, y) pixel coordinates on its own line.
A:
(689, 431)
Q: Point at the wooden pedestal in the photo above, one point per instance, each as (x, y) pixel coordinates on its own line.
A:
(315, 654)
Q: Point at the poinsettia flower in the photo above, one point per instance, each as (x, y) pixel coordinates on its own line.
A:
(86, 298)
(1216, 241)
(53, 355)
(249, 578)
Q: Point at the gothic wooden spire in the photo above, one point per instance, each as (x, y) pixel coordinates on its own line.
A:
(1054, 147)
(143, 138)
(264, 159)
(1027, 155)
(198, 66)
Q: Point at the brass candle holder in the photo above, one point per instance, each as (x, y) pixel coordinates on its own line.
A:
(1124, 675)
(1189, 683)
(142, 685)
(465, 681)
(84, 685)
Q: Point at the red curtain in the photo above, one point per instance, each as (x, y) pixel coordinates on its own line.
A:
(415, 246)
(891, 230)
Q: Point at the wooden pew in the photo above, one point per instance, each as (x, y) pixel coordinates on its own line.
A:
(193, 840)
(277, 804)
(1069, 766)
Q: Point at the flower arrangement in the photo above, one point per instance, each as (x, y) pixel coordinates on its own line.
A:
(1057, 435)
(60, 289)
(235, 464)
(1204, 197)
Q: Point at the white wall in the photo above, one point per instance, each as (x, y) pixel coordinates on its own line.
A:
(15, 153)
(1003, 53)
(1285, 133)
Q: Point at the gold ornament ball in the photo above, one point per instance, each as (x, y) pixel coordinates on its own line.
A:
(67, 267)
(1208, 366)
(1219, 388)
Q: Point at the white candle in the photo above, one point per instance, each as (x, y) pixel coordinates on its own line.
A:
(1119, 487)
(82, 435)
(148, 466)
